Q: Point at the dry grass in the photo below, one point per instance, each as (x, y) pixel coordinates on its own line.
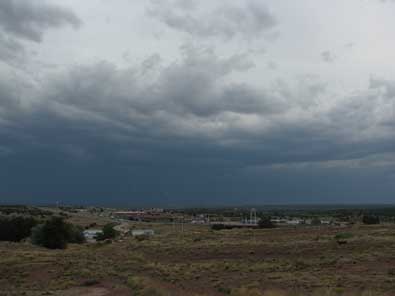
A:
(284, 262)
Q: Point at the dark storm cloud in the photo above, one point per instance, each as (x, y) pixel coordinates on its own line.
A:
(249, 20)
(189, 131)
(187, 104)
(182, 132)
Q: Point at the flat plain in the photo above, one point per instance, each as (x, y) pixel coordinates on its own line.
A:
(320, 260)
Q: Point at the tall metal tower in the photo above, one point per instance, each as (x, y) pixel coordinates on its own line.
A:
(253, 216)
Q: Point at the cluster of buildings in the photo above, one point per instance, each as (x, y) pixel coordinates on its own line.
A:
(245, 219)
(298, 221)
(91, 234)
(150, 215)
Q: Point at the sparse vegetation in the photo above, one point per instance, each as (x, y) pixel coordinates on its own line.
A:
(24, 210)
(287, 261)
(343, 235)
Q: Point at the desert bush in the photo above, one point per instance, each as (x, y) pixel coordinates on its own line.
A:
(141, 286)
(316, 221)
(244, 291)
(266, 222)
(224, 290)
(108, 232)
(391, 272)
(56, 234)
(15, 227)
(76, 234)
(136, 282)
(370, 219)
(222, 226)
(91, 282)
(92, 225)
(142, 237)
(218, 226)
(343, 235)
(151, 291)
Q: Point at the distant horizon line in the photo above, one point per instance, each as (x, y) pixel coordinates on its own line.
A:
(203, 206)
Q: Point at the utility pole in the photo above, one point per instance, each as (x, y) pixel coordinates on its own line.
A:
(253, 219)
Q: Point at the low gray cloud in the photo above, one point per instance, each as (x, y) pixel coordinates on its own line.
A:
(29, 19)
(328, 56)
(349, 45)
(247, 20)
(10, 49)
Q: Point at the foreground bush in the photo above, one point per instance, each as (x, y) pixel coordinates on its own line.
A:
(56, 234)
(15, 227)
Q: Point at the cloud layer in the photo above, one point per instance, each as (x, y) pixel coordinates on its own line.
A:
(28, 20)
(185, 130)
(247, 20)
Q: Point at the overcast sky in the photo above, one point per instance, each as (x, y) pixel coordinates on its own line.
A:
(187, 102)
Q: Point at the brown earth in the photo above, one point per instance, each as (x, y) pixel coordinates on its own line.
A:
(198, 261)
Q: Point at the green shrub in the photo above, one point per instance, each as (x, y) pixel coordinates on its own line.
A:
(151, 291)
(224, 290)
(15, 227)
(343, 235)
(136, 282)
(218, 226)
(266, 222)
(370, 219)
(142, 237)
(76, 234)
(56, 234)
(316, 221)
(108, 232)
(91, 282)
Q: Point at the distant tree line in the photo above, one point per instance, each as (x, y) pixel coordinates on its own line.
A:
(53, 233)
(15, 228)
(23, 210)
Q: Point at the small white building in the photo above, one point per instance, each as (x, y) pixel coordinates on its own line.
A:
(147, 232)
(294, 222)
(90, 234)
